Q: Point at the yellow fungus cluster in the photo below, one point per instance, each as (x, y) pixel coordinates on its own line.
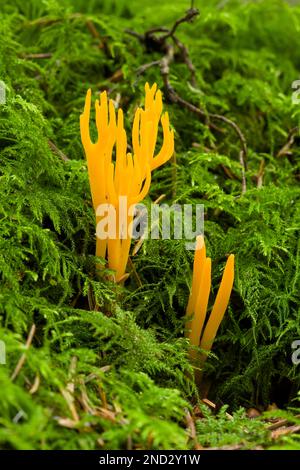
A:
(126, 174)
(198, 300)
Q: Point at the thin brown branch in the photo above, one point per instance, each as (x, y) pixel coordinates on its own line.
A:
(192, 430)
(72, 370)
(187, 60)
(92, 29)
(103, 397)
(42, 55)
(175, 98)
(117, 76)
(47, 21)
(134, 271)
(71, 405)
(160, 43)
(123, 278)
(228, 172)
(35, 386)
(242, 162)
(280, 423)
(159, 29)
(91, 300)
(260, 174)
(84, 399)
(67, 423)
(187, 18)
(285, 431)
(159, 199)
(286, 149)
(58, 152)
(94, 33)
(68, 392)
(142, 69)
(233, 447)
(213, 406)
(139, 243)
(237, 130)
(23, 357)
(140, 37)
(75, 300)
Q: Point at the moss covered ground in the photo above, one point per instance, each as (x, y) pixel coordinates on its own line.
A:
(92, 365)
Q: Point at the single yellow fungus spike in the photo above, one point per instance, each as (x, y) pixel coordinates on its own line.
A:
(198, 267)
(85, 121)
(201, 304)
(220, 305)
(198, 301)
(123, 174)
(136, 131)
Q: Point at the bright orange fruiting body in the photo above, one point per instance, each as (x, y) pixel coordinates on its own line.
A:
(128, 174)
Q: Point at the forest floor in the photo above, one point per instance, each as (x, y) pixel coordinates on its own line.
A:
(86, 363)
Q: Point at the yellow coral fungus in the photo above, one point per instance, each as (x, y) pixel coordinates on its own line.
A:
(128, 175)
(198, 299)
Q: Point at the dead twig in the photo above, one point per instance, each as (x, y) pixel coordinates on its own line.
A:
(123, 278)
(285, 431)
(84, 399)
(92, 29)
(23, 357)
(46, 21)
(242, 162)
(213, 406)
(280, 423)
(260, 174)
(117, 76)
(159, 29)
(192, 430)
(134, 271)
(175, 98)
(35, 385)
(142, 69)
(75, 300)
(139, 243)
(187, 60)
(72, 370)
(140, 37)
(68, 392)
(286, 149)
(233, 447)
(228, 172)
(187, 18)
(91, 300)
(103, 396)
(58, 152)
(42, 55)
(67, 423)
(160, 43)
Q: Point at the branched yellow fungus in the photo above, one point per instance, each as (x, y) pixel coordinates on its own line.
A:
(198, 300)
(128, 174)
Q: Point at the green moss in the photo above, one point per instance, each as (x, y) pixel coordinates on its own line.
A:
(131, 379)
